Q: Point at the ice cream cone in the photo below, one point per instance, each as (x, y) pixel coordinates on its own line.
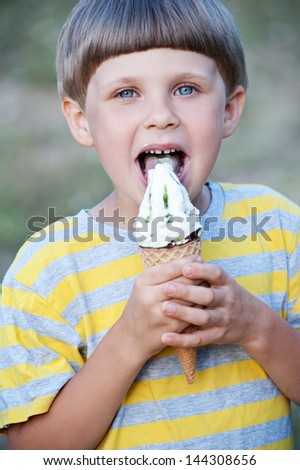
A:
(166, 209)
(154, 256)
(187, 357)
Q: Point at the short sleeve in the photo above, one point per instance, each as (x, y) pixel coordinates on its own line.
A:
(39, 353)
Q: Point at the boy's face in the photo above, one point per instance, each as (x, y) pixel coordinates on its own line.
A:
(159, 100)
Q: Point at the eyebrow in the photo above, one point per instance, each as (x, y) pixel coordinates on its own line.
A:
(129, 80)
(191, 76)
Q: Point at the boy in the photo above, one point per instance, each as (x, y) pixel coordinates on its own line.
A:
(88, 335)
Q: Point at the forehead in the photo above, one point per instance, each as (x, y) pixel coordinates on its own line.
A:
(163, 62)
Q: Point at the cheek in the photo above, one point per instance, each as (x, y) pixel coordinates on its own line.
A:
(105, 138)
(112, 156)
(208, 118)
(216, 116)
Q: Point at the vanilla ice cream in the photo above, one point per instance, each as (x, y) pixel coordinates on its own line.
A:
(166, 217)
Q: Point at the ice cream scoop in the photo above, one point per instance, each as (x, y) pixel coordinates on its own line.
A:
(166, 217)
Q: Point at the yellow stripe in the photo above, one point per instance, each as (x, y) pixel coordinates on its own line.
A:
(54, 251)
(11, 376)
(261, 284)
(294, 291)
(195, 426)
(30, 339)
(100, 320)
(251, 245)
(296, 310)
(262, 203)
(208, 379)
(20, 414)
(50, 231)
(31, 303)
(95, 278)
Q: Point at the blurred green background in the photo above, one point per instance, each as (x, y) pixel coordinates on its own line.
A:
(41, 167)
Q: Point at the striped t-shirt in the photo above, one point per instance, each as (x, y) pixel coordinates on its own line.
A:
(69, 284)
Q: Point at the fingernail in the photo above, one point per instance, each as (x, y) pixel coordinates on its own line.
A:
(169, 307)
(171, 289)
(187, 270)
(167, 339)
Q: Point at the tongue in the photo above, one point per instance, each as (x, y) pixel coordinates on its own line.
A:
(174, 161)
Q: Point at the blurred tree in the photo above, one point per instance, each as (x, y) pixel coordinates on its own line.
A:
(29, 30)
(28, 34)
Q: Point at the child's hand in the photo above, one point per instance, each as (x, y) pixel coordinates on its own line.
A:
(143, 318)
(224, 311)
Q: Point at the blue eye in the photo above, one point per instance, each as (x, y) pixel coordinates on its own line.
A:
(126, 94)
(185, 90)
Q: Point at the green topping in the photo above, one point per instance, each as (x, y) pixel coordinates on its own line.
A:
(149, 214)
(165, 197)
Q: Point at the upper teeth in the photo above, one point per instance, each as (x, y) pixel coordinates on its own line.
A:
(159, 152)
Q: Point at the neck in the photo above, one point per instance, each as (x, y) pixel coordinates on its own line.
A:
(202, 200)
(111, 212)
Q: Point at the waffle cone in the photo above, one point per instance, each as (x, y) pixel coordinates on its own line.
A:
(187, 357)
(154, 256)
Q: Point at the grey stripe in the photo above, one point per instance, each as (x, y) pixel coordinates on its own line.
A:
(294, 262)
(207, 357)
(192, 405)
(96, 300)
(85, 260)
(43, 326)
(236, 193)
(294, 320)
(13, 355)
(25, 394)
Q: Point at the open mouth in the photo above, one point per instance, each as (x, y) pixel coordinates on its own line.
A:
(174, 157)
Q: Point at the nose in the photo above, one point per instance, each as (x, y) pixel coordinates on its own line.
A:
(159, 113)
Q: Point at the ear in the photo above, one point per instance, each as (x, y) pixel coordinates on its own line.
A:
(77, 122)
(233, 111)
